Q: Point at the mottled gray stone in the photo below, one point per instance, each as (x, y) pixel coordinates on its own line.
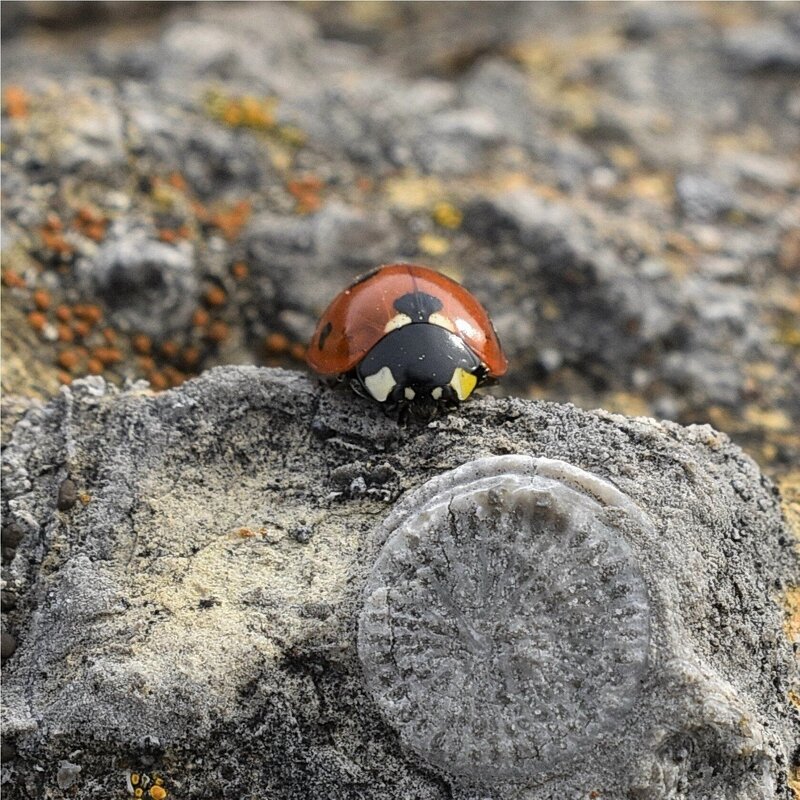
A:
(203, 599)
(309, 258)
(770, 46)
(703, 198)
(149, 286)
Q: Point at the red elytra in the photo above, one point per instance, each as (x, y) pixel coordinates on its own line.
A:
(357, 318)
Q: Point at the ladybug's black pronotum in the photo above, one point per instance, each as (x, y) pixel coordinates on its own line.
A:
(407, 336)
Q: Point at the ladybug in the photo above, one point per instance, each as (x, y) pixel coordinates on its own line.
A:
(407, 337)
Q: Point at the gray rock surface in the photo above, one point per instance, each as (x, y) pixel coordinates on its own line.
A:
(195, 614)
(636, 165)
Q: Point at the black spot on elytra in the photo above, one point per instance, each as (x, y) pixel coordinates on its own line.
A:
(418, 305)
(324, 334)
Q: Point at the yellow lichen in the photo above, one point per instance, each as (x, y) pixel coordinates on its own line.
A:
(412, 192)
(791, 602)
(433, 245)
(771, 419)
(790, 500)
(447, 215)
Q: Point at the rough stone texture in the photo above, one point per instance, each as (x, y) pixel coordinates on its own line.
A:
(618, 184)
(195, 614)
(308, 143)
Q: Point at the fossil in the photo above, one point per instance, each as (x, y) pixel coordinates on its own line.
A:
(506, 625)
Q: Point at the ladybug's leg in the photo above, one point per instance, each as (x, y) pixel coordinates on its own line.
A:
(356, 385)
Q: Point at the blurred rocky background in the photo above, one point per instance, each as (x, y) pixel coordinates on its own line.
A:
(187, 185)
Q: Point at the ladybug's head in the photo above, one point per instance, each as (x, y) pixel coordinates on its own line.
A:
(422, 366)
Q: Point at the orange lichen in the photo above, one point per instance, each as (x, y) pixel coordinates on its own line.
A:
(173, 376)
(42, 299)
(200, 318)
(158, 792)
(230, 221)
(53, 223)
(167, 235)
(107, 355)
(63, 313)
(177, 181)
(68, 359)
(37, 320)
(81, 328)
(146, 364)
(215, 296)
(239, 270)
(276, 343)
(55, 241)
(306, 191)
(142, 343)
(157, 380)
(88, 313)
(15, 100)
(169, 349)
(190, 356)
(297, 351)
(65, 334)
(64, 378)
(218, 331)
(12, 279)
(91, 223)
(110, 335)
(94, 366)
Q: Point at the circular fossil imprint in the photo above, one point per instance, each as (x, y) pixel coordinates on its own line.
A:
(506, 626)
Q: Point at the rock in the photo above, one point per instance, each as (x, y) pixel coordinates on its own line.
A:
(67, 495)
(208, 599)
(150, 287)
(702, 198)
(500, 87)
(67, 774)
(8, 753)
(768, 47)
(453, 142)
(572, 267)
(648, 20)
(310, 259)
(9, 645)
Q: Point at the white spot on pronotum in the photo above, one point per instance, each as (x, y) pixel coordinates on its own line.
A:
(397, 321)
(380, 384)
(436, 393)
(409, 393)
(442, 321)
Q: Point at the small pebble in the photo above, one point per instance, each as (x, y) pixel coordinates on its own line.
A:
(302, 534)
(67, 495)
(7, 751)
(67, 774)
(8, 645)
(11, 535)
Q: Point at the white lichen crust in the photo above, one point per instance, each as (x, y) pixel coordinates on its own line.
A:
(506, 625)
